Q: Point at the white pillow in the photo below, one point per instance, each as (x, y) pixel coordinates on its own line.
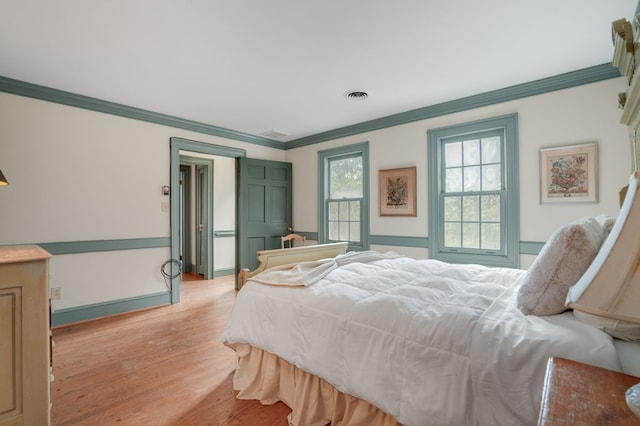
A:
(561, 262)
(607, 223)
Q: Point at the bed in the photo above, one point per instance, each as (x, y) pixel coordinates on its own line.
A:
(368, 338)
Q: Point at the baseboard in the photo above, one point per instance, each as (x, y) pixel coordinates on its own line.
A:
(98, 310)
(223, 272)
(392, 240)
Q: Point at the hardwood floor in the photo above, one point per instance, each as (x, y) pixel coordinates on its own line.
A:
(162, 366)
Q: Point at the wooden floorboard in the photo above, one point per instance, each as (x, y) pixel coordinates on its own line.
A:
(161, 366)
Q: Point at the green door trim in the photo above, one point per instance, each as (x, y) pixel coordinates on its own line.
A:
(177, 145)
(204, 212)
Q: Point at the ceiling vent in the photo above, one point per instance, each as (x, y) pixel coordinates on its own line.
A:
(273, 134)
(356, 95)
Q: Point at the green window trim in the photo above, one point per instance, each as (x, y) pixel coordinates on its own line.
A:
(324, 217)
(507, 253)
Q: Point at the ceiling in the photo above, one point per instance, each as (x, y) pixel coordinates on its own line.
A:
(284, 65)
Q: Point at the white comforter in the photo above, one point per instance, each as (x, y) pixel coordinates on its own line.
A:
(427, 342)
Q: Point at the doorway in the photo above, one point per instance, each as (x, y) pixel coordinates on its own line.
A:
(183, 149)
(196, 214)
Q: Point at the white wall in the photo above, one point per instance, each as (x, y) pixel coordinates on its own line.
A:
(583, 114)
(79, 175)
(224, 214)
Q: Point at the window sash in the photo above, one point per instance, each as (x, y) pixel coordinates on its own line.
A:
(496, 230)
(354, 231)
(348, 191)
(463, 156)
(344, 220)
(481, 222)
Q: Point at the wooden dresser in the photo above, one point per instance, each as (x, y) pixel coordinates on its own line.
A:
(25, 356)
(581, 394)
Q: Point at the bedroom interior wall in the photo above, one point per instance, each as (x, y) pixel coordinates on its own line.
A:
(224, 214)
(582, 114)
(78, 175)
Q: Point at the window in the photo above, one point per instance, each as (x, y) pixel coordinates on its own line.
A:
(343, 195)
(473, 193)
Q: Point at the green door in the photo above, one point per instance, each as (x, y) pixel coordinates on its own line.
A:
(264, 207)
(203, 225)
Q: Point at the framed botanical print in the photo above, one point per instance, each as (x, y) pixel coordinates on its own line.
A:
(397, 192)
(569, 174)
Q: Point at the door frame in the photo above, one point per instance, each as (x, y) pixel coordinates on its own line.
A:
(208, 165)
(185, 214)
(186, 145)
(204, 220)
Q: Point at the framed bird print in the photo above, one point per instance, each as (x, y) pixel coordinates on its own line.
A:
(397, 192)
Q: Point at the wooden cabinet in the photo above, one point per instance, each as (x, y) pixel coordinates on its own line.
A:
(581, 394)
(24, 336)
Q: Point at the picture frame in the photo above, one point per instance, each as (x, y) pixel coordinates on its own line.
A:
(569, 174)
(397, 191)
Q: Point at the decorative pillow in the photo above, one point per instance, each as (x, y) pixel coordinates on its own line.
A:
(607, 223)
(561, 262)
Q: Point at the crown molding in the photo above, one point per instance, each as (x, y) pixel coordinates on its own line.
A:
(43, 93)
(537, 87)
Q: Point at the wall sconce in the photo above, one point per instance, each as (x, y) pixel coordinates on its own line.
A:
(3, 180)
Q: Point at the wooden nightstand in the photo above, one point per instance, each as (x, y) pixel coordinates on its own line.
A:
(581, 394)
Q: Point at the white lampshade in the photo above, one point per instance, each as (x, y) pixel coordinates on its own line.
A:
(610, 287)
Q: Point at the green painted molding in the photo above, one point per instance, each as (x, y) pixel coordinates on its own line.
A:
(308, 235)
(43, 93)
(537, 87)
(224, 233)
(182, 144)
(526, 247)
(73, 247)
(177, 145)
(530, 247)
(223, 272)
(98, 310)
(391, 240)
